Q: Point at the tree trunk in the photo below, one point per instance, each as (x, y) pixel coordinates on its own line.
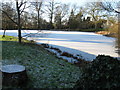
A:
(19, 23)
(38, 20)
(95, 25)
(4, 33)
(51, 23)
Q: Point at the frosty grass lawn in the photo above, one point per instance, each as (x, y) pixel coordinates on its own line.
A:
(44, 69)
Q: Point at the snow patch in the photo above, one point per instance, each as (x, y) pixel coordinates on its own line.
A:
(12, 68)
(87, 44)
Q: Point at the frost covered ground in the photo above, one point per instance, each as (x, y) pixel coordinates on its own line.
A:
(86, 44)
(44, 69)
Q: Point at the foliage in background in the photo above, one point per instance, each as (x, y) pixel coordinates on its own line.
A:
(113, 28)
(6, 22)
(102, 72)
(59, 16)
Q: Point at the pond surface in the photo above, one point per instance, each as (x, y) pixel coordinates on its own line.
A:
(86, 44)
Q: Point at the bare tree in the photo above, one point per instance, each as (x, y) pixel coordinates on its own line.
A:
(19, 12)
(38, 7)
(4, 33)
(50, 10)
(20, 7)
(75, 9)
(60, 13)
(94, 11)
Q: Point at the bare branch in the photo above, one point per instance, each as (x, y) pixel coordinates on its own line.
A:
(108, 7)
(21, 11)
(22, 3)
(117, 11)
(9, 17)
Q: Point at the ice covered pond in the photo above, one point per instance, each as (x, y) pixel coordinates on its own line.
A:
(86, 44)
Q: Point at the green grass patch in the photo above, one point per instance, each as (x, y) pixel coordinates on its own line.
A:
(11, 38)
(44, 69)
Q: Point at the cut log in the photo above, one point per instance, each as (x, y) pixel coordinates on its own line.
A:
(14, 75)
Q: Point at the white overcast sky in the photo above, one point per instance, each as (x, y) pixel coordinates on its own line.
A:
(77, 2)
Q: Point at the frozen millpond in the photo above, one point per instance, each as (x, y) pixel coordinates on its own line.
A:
(86, 44)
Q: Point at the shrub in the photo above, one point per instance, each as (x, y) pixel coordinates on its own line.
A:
(58, 50)
(102, 72)
(45, 45)
(66, 54)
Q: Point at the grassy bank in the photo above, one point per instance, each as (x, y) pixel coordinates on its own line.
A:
(44, 69)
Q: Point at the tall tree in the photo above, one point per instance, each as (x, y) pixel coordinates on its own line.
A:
(6, 22)
(72, 20)
(94, 11)
(79, 18)
(20, 10)
(25, 20)
(38, 7)
(50, 11)
(20, 7)
(60, 13)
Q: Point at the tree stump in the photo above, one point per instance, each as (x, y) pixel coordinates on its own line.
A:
(14, 75)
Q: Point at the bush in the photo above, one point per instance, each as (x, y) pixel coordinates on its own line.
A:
(114, 28)
(102, 72)
(66, 54)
